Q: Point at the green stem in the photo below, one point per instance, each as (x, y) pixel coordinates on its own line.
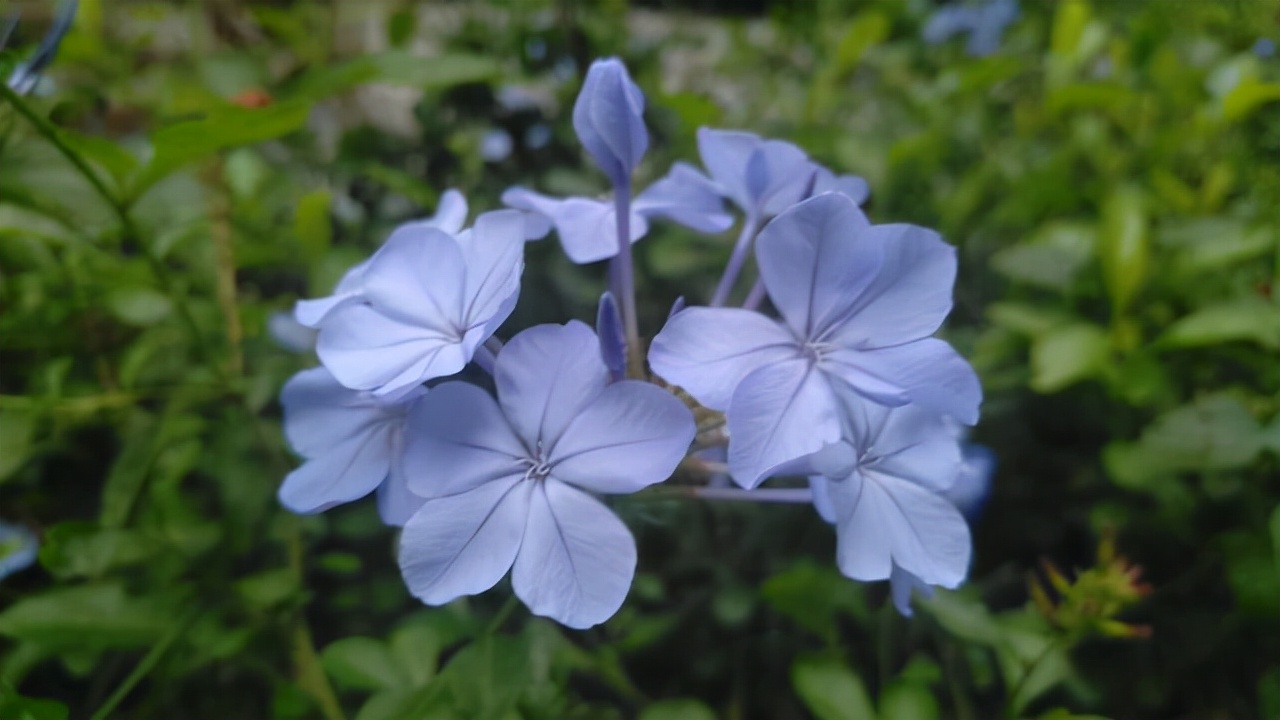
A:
(503, 613)
(144, 667)
(1012, 707)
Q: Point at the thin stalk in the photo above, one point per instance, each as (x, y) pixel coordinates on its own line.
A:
(622, 281)
(756, 296)
(145, 666)
(739, 257)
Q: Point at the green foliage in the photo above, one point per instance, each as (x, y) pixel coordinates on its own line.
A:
(1108, 178)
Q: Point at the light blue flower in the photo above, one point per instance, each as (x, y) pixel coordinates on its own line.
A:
(352, 442)
(859, 303)
(984, 23)
(426, 301)
(450, 216)
(18, 548)
(764, 177)
(609, 119)
(509, 482)
(883, 485)
(587, 228)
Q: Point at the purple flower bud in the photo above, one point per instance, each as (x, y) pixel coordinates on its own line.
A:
(608, 118)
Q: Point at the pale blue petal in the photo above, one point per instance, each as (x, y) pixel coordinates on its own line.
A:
(910, 295)
(725, 154)
(350, 469)
(290, 334)
(419, 278)
(816, 260)
(463, 544)
(311, 313)
(588, 229)
(546, 375)
(820, 487)
(687, 197)
(902, 585)
(451, 213)
(319, 412)
(779, 413)
(707, 351)
(19, 548)
(934, 376)
(849, 368)
(630, 436)
(396, 502)
(836, 460)
(786, 174)
(577, 560)
(494, 257)
(883, 520)
(851, 186)
(457, 439)
(608, 117)
(538, 210)
(366, 350)
(906, 442)
(973, 485)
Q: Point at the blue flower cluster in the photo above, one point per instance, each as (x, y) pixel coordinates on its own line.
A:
(846, 386)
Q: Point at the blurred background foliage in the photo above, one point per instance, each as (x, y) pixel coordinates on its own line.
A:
(1110, 172)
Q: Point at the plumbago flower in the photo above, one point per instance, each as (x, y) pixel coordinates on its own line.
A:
(426, 301)
(859, 303)
(509, 483)
(352, 441)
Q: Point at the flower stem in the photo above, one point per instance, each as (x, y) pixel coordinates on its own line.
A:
(756, 296)
(736, 261)
(622, 282)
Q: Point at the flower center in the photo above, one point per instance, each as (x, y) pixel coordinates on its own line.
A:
(814, 351)
(536, 467)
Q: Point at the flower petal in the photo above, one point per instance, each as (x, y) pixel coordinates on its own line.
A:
(779, 413)
(494, 257)
(816, 260)
(463, 544)
(778, 174)
(366, 350)
(545, 376)
(927, 372)
(687, 197)
(457, 439)
(577, 560)
(538, 210)
(319, 412)
(907, 442)
(707, 351)
(909, 297)
(902, 585)
(396, 502)
(630, 436)
(725, 154)
(882, 521)
(852, 186)
(419, 277)
(349, 470)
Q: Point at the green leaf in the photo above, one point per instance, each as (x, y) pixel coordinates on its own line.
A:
(267, 589)
(487, 677)
(682, 709)
(86, 617)
(221, 129)
(397, 67)
(1039, 264)
(16, 707)
(831, 690)
(140, 306)
(1068, 354)
(17, 431)
(1069, 23)
(362, 663)
(868, 29)
(1123, 245)
(1275, 538)
(813, 596)
(1249, 319)
(1216, 432)
(1026, 319)
(117, 161)
(312, 224)
(908, 700)
(1247, 96)
(82, 549)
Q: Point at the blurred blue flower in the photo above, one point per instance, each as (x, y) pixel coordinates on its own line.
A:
(859, 304)
(609, 119)
(984, 23)
(18, 548)
(427, 300)
(352, 442)
(764, 177)
(508, 483)
(1264, 48)
(496, 145)
(290, 334)
(587, 227)
(26, 74)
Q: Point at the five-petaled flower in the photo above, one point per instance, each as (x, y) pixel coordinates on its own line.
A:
(859, 304)
(509, 482)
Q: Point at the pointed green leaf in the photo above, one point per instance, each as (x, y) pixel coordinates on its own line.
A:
(831, 690)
